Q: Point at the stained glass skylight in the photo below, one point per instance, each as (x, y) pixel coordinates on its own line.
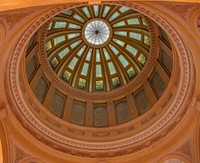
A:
(66, 76)
(98, 47)
(85, 69)
(73, 35)
(97, 32)
(60, 25)
(111, 68)
(86, 11)
(59, 39)
(63, 53)
(105, 11)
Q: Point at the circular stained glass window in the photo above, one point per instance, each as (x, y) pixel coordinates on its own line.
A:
(97, 32)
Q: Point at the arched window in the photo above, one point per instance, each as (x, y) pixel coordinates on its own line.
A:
(174, 158)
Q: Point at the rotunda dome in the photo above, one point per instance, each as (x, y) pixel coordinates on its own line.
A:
(102, 58)
(98, 73)
(98, 48)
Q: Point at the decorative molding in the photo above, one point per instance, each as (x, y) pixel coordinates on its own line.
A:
(196, 103)
(180, 9)
(3, 111)
(102, 161)
(134, 143)
(13, 18)
(198, 21)
(186, 148)
(19, 154)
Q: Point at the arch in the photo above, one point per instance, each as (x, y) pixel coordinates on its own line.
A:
(4, 145)
(32, 160)
(174, 158)
(196, 142)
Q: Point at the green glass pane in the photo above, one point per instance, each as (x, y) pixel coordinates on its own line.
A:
(60, 25)
(115, 15)
(54, 62)
(123, 9)
(96, 10)
(80, 52)
(98, 56)
(142, 59)
(63, 53)
(75, 44)
(59, 39)
(73, 35)
(99, 85)
(98, 71)
(105, 11)
(121, 33)
(131, 49)
(123, 61)
(147, 40)
(119, 24)
(107, 56)
(68, 12)
(48, 45)
(78, 18)
(86, 11)
(89, 54)
(136, 36)
(121, 43)
(73, 63)
(111, 68)
(82, 83)
(131, 73)
(66, 76)
(144, 21)
(115, 51)
(133, 21)
(74, 26)
(116, 82)
(50, 26)
(85, 69)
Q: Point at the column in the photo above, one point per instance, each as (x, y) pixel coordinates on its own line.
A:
(68, 109)
(132, 107)
(89, 114)
(111, 114)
